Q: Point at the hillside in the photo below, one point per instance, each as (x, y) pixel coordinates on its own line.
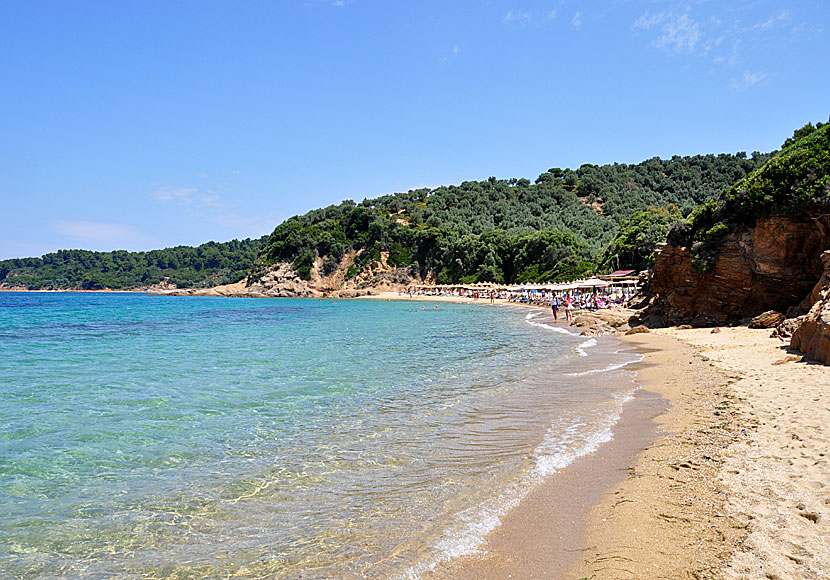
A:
(208, 265)
(565, 224)
(560, 227)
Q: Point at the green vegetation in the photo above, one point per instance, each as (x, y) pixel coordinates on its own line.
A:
(792, 181)
(208, 265)
(512, 230)
(566, 224)
(639, 235)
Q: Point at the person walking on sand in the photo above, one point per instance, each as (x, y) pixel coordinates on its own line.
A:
(569, 306)
(554, 306)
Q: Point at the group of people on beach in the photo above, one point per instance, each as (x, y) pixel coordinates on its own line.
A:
(556, 303)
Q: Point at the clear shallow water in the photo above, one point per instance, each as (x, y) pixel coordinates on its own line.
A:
(159, 437)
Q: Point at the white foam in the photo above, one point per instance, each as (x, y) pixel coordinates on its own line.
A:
(587, 344)
(531, 315)
(611, 367)
(562, 445)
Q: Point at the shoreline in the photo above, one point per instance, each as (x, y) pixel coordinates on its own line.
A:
(596, 518)
(542, 537)
(716, 469)
(666, 518)
(693, 484)
(730, 480)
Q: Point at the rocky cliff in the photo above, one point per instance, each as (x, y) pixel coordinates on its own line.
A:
(771, 265)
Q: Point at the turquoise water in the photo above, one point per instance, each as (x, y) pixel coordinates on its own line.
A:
(161, 437)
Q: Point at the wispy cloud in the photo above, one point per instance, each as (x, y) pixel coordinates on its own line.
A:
(516, 18)
(677, 33)
(730, 59)
(519, 19)
(453, 54)
(90, 233)
(722, 38)
(771, 22)
(187, 196)
(211, 206)
(577, 20)
(748, 80)
(182, 195)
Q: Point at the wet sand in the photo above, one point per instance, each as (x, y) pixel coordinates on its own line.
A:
(542, 536)
(667, 519)
(607, 515)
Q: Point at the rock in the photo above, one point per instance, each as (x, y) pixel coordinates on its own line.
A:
(769, 265)
(685, 327)
(787, 327)
(638, 330)
(812, 336)
(715, 330)
(701, 321)
(769, 319)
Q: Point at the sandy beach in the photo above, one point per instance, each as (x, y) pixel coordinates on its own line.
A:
(736, 485)
(718, 469)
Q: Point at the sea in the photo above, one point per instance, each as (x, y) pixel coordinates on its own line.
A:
(155, 437)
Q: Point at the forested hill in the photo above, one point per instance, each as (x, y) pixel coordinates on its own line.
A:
(511, 230)
(563, 225)
(208, 265)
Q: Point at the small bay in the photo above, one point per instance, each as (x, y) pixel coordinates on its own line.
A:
(159, 437)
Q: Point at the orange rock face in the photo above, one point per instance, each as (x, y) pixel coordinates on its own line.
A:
(772, 266)
(812, 337)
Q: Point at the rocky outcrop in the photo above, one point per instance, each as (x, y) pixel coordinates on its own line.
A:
(771, 265)
(812, 337)
(602, 322)
(280, 280)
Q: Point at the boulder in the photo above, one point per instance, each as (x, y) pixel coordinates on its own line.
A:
(768, 319)
(786, 328)
(638, 330)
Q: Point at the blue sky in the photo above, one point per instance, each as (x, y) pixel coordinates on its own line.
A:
(141, 125)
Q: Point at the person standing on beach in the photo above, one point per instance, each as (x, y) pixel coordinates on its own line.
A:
(569, 306)
(554, 306)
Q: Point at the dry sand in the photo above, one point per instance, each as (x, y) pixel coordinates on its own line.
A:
(740, 485)
(776, 476)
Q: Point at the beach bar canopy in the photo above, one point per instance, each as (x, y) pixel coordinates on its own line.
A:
(592, 283)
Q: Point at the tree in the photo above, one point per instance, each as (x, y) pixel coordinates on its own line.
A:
(633, 247)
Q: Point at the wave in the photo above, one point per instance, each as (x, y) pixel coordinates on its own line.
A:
(563, 443)
(611, 367)
(529, 319)
(587, 344)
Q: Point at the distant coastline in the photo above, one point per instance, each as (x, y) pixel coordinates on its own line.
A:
(76, 291)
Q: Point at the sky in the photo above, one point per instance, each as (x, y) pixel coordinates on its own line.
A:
(144, 125)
